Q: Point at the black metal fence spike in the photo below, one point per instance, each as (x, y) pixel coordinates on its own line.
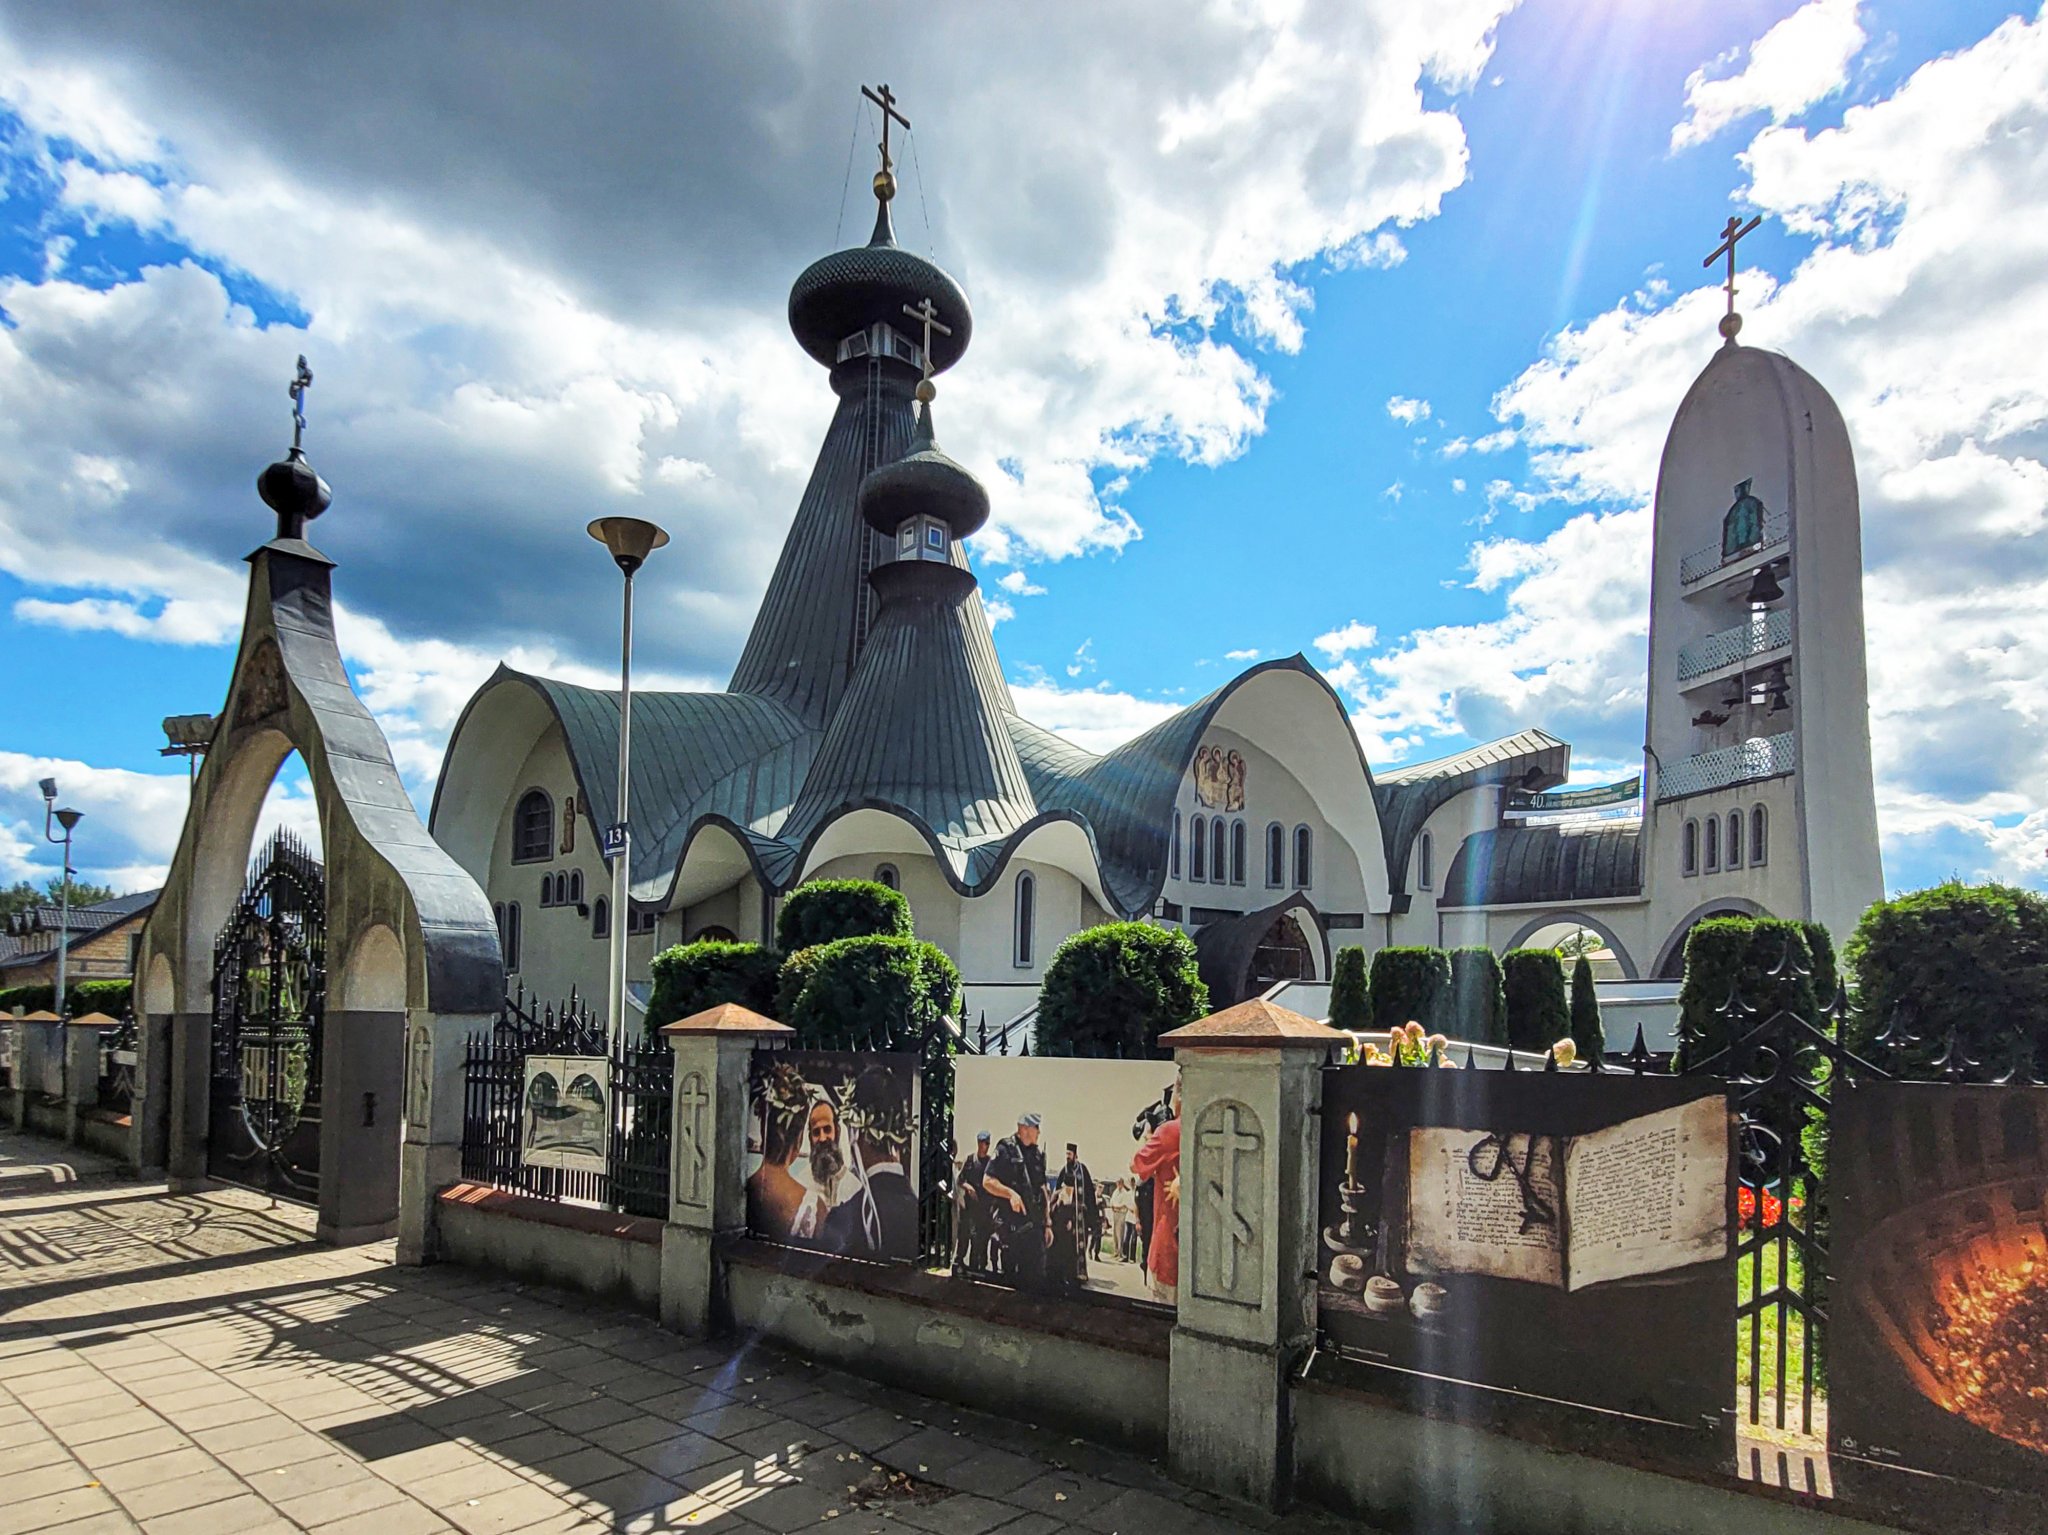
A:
(1550, 1060)
(1470, 1061)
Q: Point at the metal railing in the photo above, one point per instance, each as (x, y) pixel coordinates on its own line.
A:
(635, 1180)
(1745, 762)
(1701, 563)
(1757, 636)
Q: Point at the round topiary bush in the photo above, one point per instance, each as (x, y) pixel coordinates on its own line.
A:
(876, 993)
(1479, 1007)
(1410, 985)
(1538, 1014)
(693, 976)
(1114, 989)
(1962, 961)
(829, 909)
(1350, 1000)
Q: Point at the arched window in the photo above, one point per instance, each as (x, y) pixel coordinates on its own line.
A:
(600, 918)
(547, 890)
(1237, 852)
(1173, 853)
(1713, 843)
(1276, 856)
(1198, 849)
(1759, 841)
(1219, 866)
(575, 895)
(1735, 839)
(885, 874)
(1304, 858)
(508, 932)
(1027, 915)
(1425, 861)
(533, 827)
(1689, 849)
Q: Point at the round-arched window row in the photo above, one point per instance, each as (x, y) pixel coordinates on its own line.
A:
(1716, 845)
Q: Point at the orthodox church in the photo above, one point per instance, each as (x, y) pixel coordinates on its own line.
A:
(868, 731)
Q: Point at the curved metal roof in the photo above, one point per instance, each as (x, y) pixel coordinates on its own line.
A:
(1546, 865)
(852, 289)
(1408, 796)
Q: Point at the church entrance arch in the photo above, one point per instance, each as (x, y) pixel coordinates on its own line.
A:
(1574, 934)
(269, 1014)
(1281, 954)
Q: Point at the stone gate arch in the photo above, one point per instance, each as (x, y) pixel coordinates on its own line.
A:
(413, 932)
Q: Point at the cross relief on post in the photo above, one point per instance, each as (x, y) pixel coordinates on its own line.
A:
(691, 1158)
(1224, 1137)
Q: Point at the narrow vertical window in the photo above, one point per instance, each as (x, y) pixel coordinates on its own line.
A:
(1713, 843)
(600, 918)
(508, 933)
(1027, 902)
(1173, 852)
(1219, 865)
(1198, 849)
(1237, 852)
(547, 890)
(1425, 857)
(533, 827)
(1759, 844)
(575, 895)
(885, 874)
(1689, 849)
(1276, 856)
(1304, 858)
(1735, 839)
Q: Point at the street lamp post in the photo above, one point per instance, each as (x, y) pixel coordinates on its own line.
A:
(68, 819)
(629, 541)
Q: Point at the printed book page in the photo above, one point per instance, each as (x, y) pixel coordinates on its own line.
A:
(1648, 1195)
(1462, 1223)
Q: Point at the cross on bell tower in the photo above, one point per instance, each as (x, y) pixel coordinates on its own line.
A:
(885, 178)
(301, 382)
(1731, 322)
(928, 312)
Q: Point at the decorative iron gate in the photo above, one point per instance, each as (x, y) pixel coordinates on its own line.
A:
(269, 1001)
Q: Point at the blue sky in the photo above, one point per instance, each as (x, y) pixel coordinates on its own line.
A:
(1477, 213)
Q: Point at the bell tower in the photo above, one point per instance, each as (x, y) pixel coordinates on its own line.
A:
(1760, 797)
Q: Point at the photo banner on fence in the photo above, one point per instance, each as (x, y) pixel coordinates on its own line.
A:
(565, 1112)
(832, 1151)
(1562, 1235)
(1938, 1348)
(1067, 1175)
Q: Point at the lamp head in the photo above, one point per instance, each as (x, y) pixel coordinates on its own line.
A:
(49, 788)
(629, 540)
(69, 818)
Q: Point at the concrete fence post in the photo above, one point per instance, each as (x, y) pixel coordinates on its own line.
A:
(430, 1155)
(707, 1190)
(82, 1068)
(1250, 1088)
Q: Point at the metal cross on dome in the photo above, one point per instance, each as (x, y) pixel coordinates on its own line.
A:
(301, 382)
(886, 100)
(928, 312)
(1735, 231)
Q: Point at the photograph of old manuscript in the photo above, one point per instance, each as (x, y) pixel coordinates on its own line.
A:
(1642, 1197)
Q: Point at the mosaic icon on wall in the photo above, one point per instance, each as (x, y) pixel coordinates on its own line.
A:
(1940, 1251)
(1219, 778)
(1067, 1175)
(565, 1112)
(832, 1151)
(1567, 1236)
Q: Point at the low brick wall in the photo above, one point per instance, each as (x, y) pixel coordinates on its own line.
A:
(594, 1252)
(1096, 1370)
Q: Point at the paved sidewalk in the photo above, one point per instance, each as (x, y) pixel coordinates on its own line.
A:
(196, 1363)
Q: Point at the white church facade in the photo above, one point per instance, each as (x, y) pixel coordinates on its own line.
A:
(868, 731)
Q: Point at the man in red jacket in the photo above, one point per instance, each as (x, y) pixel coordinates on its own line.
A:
(1159, 1159)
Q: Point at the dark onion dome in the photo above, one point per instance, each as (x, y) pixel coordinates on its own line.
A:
(852, 289)
(291, 489)
(923, 483)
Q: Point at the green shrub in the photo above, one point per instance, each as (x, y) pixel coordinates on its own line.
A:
(1350, 1001)
(109, 997)
(693, 976)
(1820, 948)
(28, 999)
(874, 993)
(1116, 988)
(1587, 1032)
(1479, 1007)
(1967, 960)
(1763, 960)
(1410, 985)
(795, 973)
(1538, 1014)
(828, 909)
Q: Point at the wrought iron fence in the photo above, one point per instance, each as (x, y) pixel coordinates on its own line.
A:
(116, 1088)
(636, 1174)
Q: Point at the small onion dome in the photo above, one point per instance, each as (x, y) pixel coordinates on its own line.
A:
(852, 289)
(291, 489)
(923, 483)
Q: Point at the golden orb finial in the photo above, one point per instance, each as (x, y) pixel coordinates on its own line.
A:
(885, 184)
(927, 391)
(1730, 324)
